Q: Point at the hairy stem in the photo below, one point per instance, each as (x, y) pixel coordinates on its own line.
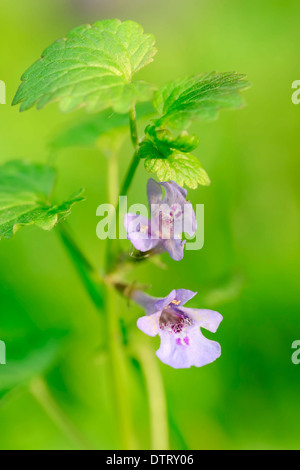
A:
(39, 389)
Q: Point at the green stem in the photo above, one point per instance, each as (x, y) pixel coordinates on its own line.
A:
(90, 277)
(95, 287)
(119, 373)
(117, 354)
(135, 159)
(133, 127)
(130, 174)
(42, 394)
(113, 177)
(156, 397)
(112, 244)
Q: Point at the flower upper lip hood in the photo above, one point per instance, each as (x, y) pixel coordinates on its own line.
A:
(169, 214)
(182, 343)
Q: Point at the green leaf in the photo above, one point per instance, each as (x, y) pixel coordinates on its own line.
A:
(25, 189)
(92, 67)
(149, 151)
(30, 349)
(184, 169)
(201, 97)
(24, 363)
(169, 157)
(184, 142)
(87, 132)
(164, 140)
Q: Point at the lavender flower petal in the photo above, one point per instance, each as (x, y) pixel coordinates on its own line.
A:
(162, 303)
(184, 352)
(184, 295)
(208, 319)
(138, 229)
(149, 324)
(154, 192)
(189, 221)
(171, 215)
(174, 248)
(141, 244)
(182, 342)
(146, 301)
(175, 194)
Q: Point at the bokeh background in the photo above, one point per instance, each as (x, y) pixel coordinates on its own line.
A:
(248, 269)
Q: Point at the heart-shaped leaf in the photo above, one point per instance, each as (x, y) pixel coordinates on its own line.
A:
(169, 157)
(183, 168)
(93, 66)
(182, 101)
(25, 190)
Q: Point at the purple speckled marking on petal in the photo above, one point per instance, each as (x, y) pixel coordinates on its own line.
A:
(178, 341)
(186, 340)
(208, 319)
(168, 219)
(200, 352)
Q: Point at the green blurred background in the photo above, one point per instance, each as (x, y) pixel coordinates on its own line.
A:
(248, 269)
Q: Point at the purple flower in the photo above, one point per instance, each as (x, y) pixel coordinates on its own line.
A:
(171, 215)
(182, 343)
